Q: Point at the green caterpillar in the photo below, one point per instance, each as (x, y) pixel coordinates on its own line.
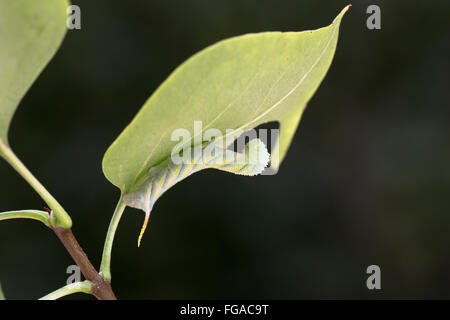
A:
(160, 178)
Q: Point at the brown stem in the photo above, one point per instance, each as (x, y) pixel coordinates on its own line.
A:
(101, 289)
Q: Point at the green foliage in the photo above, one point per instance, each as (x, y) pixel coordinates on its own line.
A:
(30, 34)
(237, 83)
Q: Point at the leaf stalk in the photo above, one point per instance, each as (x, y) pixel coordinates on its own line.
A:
(59, 217)
(84, 286)
(105, 267)
(41, 216)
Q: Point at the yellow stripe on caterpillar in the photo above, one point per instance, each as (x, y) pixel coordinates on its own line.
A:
(255, 158)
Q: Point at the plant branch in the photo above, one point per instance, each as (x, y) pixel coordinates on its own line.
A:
(59, 217)
(60, 222)
(100, 288)
(85, 287)
(105, 267)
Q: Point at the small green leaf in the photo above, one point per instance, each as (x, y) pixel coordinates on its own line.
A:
(238, 83)
(30, 34)
(41, 216)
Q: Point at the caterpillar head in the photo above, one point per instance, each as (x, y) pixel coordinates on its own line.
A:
(257, 157)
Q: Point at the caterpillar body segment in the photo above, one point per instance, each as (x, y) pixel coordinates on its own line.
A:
(161, 178)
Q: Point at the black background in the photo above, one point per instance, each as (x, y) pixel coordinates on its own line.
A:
(366, 180)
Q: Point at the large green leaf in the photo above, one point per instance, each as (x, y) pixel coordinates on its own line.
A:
(30, 34)
(237, 83)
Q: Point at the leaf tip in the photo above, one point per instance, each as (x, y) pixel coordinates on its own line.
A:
(337, 20)
(345, 9)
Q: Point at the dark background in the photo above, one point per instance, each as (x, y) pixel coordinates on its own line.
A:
(366, 180)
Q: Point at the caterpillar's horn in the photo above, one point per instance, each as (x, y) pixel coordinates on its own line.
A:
(144, 226)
